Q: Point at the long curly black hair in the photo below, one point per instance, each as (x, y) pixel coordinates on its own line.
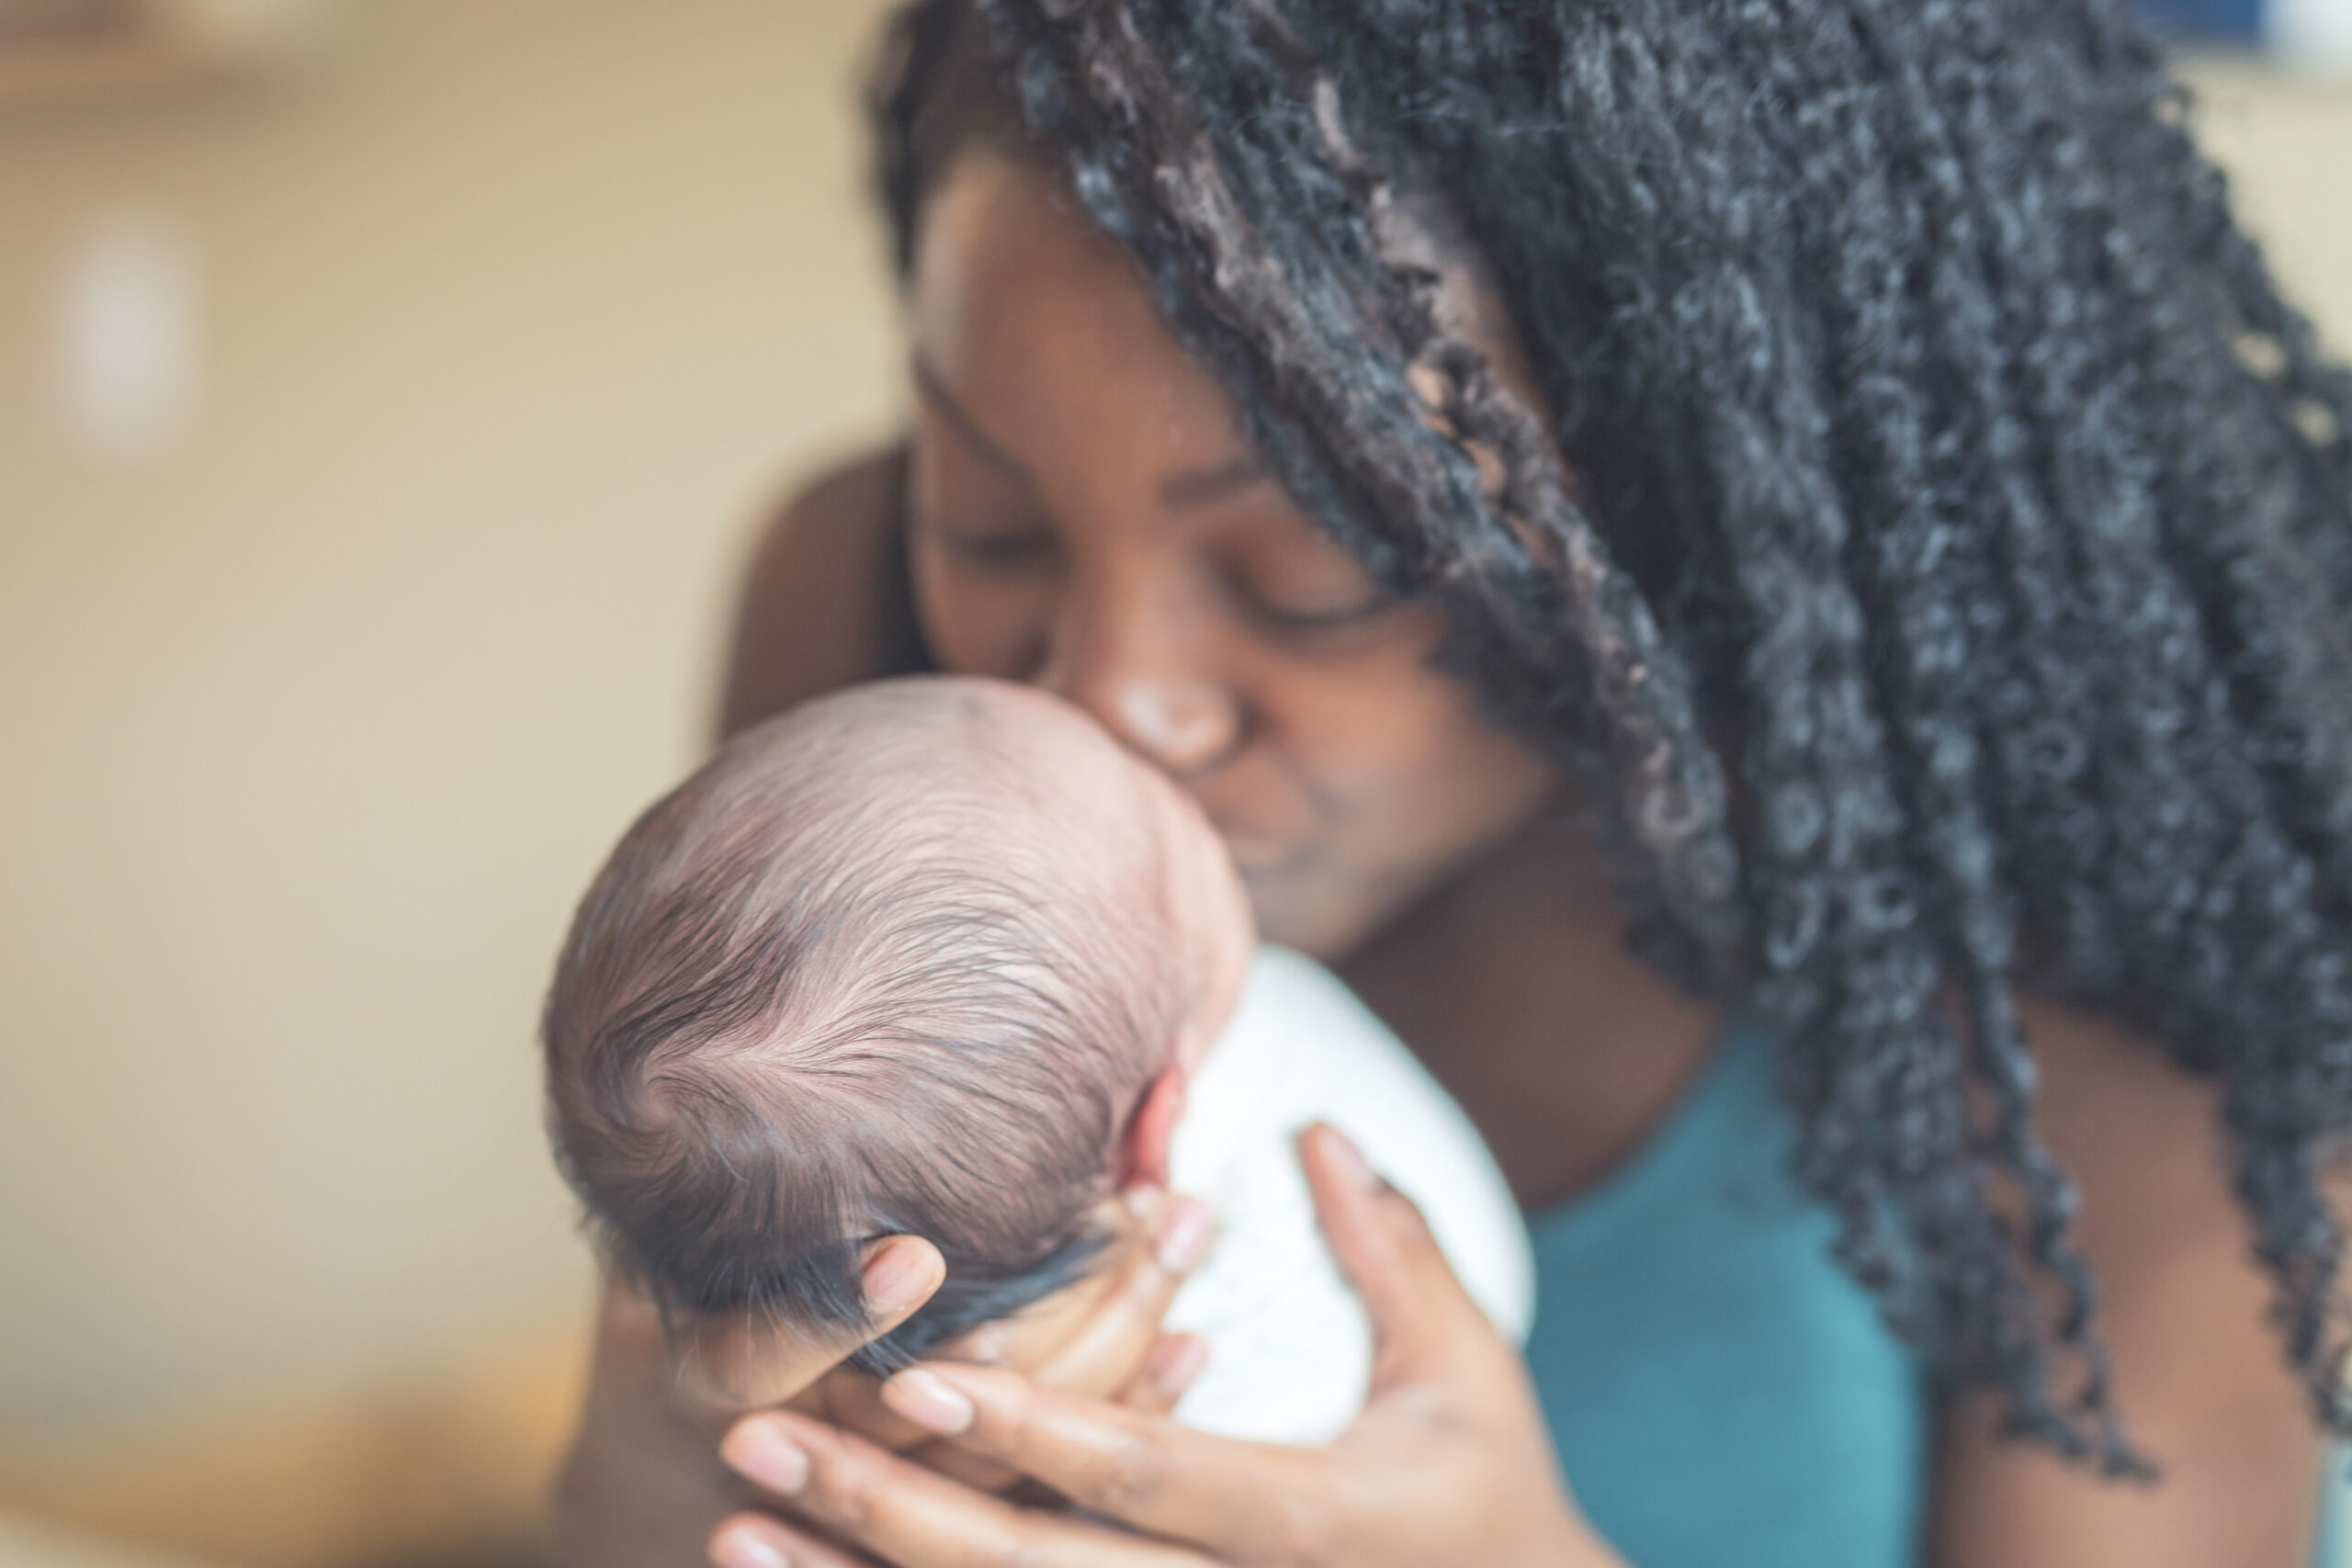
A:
(1929, 452)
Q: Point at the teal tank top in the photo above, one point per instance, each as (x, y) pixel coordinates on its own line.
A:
(1719, 1389)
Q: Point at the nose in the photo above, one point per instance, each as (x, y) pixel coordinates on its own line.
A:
(1142, 671)
(1186, 727)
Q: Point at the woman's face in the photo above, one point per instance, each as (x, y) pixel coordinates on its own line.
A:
(1088, 516)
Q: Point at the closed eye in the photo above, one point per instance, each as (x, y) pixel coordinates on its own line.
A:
(1308, 619)
(995, 548)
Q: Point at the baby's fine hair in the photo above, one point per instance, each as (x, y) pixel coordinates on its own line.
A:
(856, 979)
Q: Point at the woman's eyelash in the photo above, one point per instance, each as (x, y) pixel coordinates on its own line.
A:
(996, 548)
(1339, 618)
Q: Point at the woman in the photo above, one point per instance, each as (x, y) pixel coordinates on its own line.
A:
(1767, 582)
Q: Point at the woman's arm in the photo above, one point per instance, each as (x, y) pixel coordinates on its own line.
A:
(2197, 1370)
(1449, 1463)
(640, 1487)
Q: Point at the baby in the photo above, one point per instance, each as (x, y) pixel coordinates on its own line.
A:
(938, 957)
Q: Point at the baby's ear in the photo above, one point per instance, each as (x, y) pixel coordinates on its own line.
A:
(1144, 1158)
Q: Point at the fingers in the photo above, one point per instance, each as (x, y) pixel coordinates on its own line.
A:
(897, 1274)
(1102, 1357)
(1249, 1501)
(1155, 1390)
(1422, 1319)
(1116, 1351)
(899, 1512)
(756, 1540)
(1165, 1374)
(746, 1358)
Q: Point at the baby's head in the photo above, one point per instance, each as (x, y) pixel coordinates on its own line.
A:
(924, 957)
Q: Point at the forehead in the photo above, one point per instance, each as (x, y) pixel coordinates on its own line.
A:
(1009, 271)
(1037, 322)
(1000, 225)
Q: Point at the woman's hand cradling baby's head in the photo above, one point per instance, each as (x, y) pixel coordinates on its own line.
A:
(751, 1359)
(657, 1401)
(1447, 1463)
(1108, 1345)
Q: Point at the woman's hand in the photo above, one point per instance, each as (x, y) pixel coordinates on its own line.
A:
(639, 1489)
(1449, 1462)
(643, 1485)
(1104, 1344)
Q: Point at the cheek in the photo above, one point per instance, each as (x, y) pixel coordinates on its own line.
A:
(978, 623)
(1412, 777)
(1422, 773)
(1360, 729)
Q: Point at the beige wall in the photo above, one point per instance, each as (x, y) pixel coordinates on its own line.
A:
(314, 724)
(2286, 142)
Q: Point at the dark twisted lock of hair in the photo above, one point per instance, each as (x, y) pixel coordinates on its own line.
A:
(1948, 469)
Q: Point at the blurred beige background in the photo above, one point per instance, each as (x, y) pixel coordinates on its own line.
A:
(321, 707)
(324, 693)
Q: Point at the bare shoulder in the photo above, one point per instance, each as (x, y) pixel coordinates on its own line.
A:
(2141, 1137)
(816, 610)
(2146, 1143)
(2199, 1373)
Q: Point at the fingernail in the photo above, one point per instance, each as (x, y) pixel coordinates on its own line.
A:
(929, 1400)
(760, 1453)
(1176, 1361)
(1184, 1232)
(895, 1277)
(745, 1549)
(1349, 1161)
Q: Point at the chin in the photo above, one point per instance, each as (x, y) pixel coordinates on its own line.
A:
(1288, 916)
(1329, 918)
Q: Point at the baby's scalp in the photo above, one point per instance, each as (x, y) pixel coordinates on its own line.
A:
(896, 962)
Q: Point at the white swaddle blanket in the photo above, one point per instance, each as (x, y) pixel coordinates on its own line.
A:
(1290, 1348)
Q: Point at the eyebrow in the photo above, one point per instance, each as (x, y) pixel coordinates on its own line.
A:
(929, 389)
(1179, 491)
(1204, 487)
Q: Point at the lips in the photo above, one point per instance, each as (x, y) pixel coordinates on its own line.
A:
(1260, 873)
(1254, 851)
(1263, 860)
